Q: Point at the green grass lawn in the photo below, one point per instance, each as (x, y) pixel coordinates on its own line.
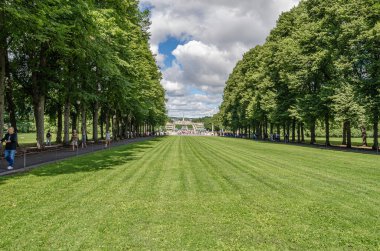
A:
(27, 138)
(338, 141)
(30, 138)
(191, 193)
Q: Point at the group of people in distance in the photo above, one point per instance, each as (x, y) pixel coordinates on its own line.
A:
(75, 140)
(277, 138)
(11, 143)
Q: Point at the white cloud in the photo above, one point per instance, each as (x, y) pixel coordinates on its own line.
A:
(203, 65)
(174, 89)
(217, 33)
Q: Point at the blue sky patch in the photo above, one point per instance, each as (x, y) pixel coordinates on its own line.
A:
(146, 6)
(166, 48)
(197, 91)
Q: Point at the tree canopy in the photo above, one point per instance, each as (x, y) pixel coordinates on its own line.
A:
(65, 58)
(319, 65)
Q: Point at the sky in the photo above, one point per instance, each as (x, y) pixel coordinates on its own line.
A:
(197, 44)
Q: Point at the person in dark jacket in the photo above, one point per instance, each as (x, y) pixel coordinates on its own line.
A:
(10, 140)
(48, 138)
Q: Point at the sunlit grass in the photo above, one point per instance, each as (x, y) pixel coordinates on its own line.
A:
(189, 193)
(27, 138)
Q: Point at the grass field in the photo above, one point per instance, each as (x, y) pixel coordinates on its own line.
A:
(338, 141)
(196, 193)
(30, 138)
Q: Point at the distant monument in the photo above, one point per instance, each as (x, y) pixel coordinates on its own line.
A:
(187, 127)
(184, 125)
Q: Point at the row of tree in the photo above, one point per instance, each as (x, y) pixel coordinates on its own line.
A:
(319, 65)
(63, 58)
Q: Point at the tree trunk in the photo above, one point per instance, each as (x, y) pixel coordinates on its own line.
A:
(83, 122)
(118, 128)
(302, 133)
(288, 130)
(74, 122)
(299, 132)
(66, 122)
(131, 128)
(257, 130)
(124, 128)
(59, 124)
(39, 116)
(95, 117)
(375, 131)
(266, 130)
(327, 128)
(39, 83)
(344, 133)
(312, 133)
(2, 83)
(114, 127)
(349, 134)
(3, 53)
(294, 130)
(9, 94)
(102, 126)
(364, 136)
(107, 117)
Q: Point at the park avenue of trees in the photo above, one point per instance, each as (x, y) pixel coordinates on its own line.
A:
(78, 60)
(319, 67)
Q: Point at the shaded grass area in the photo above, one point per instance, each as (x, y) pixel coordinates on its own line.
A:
(29, 139)
(196, 193)
(338, 141)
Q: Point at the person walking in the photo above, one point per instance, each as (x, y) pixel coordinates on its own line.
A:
(10, 146)
(48, 138)
(84, 140)
(108, 139)
(74, 139)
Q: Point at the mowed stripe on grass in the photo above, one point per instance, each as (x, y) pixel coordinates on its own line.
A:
(196, 193)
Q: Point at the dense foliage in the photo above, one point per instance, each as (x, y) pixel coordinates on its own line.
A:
(319, 66)
(83, 57)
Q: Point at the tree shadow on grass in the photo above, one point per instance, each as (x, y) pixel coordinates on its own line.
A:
(94, 162)
(324, 147)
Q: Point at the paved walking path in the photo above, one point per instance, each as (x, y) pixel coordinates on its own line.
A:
(35, 159)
